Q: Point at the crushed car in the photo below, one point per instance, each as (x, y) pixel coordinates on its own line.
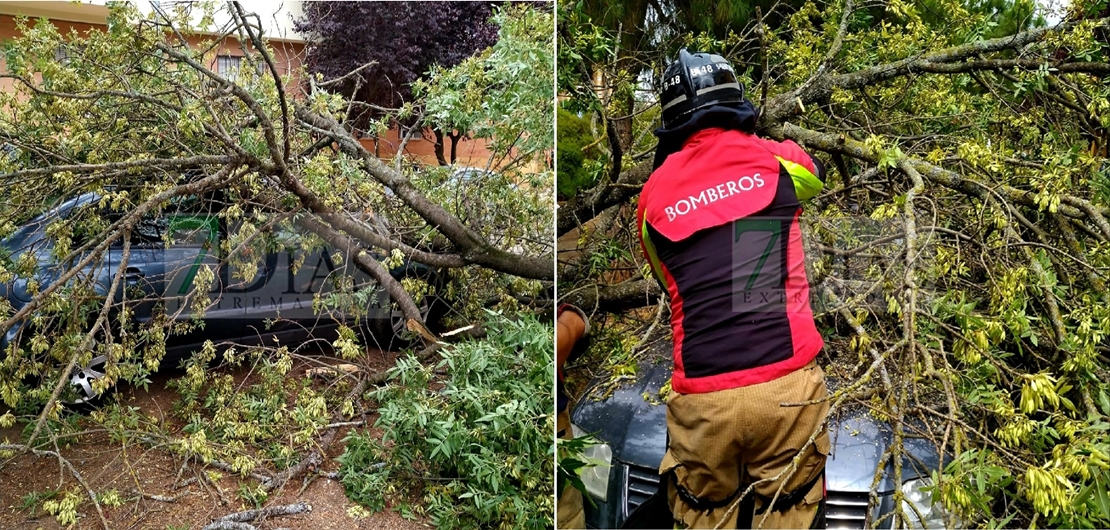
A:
(169, 250)
(630, 421)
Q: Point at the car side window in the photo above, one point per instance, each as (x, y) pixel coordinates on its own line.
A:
(154, 228)
(193, 230)
(188, 236)
(195, 220)
(88, 222)
(149, 230)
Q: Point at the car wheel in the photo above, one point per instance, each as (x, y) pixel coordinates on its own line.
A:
(399, 324)
(393, 333)
(81, 381)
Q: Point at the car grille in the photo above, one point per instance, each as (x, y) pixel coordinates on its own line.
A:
(642, 483)
(846, 509)
(843, 509)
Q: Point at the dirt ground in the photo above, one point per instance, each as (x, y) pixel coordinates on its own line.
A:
(145, 478)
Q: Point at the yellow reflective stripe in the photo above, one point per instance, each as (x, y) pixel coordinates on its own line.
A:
(806, 184)
(653, 258)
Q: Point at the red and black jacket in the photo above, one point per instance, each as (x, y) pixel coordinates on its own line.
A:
(719, 225)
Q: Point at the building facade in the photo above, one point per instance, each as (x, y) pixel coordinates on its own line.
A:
(288, 47)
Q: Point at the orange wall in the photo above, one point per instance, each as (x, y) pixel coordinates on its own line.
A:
(9, 31)
(421, 148)
(288, 56)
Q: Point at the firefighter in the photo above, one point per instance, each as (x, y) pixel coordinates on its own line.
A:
(572, 329)
(719, 225)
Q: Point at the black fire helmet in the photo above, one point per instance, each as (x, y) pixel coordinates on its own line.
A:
(696, 81)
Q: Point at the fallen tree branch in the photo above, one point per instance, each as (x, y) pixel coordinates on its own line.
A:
(229, 525)
(270, 511)
(367, 263)
(586, 206)
(72, 470)
(314, 457)
(159, 498)
(616, 298)
(1012, 64)
(783, 106)
(473, 247)
(219, 464)
(843, 144)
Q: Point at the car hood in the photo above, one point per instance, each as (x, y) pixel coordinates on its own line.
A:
(859, 441)
(633, 421)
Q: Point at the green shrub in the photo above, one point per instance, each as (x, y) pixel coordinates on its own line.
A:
(578, 164)
(473, 432)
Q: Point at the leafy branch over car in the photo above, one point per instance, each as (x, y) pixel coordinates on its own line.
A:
(961, 272)
(136, 123)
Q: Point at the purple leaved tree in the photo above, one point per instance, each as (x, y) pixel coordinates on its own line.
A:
(402, 40)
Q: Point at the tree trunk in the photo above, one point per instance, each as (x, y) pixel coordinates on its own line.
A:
(455, 136)
(621, 110)
(439, 148)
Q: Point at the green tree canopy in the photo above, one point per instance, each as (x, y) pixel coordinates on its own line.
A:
(137, 116)
(958, 252)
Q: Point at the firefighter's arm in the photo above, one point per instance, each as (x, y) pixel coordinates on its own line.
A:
(648, 248)
(573, 325)
(805, 170)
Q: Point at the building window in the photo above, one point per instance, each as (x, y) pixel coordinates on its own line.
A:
(61, 54)
(228, 66)
(67, 51)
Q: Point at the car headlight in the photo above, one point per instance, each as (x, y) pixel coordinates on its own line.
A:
(595, 477)
(932, 515)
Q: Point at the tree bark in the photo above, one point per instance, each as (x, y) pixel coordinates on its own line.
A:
(439, 148)
(589, 204)
(616, 298)
(454, 136)
(472, 246)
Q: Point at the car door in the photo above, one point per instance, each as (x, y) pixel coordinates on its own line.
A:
(144, 271)
(257, 298)
(292, 294)
(192, 251)
(285, 292)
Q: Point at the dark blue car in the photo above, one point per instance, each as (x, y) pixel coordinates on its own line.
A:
(632, 423)
(284, 297)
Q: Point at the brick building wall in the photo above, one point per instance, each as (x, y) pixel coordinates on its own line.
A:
(288, 57)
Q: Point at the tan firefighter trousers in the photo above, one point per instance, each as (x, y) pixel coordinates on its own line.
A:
(719, 441)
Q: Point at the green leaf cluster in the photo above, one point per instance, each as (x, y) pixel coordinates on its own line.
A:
(502, 94)
(471, 433)
(579, 160)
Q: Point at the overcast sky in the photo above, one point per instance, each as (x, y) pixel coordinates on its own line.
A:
(1053, 10)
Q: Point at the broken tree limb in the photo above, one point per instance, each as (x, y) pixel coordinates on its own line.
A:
(159, 498)
(229, 525)
(269, 511)
(584, 207)
(332, 371)
(782, 107)
(472, 247)
(834, 143)
(365, 262)
(315, 457)
(72, 470)
(614, 298)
